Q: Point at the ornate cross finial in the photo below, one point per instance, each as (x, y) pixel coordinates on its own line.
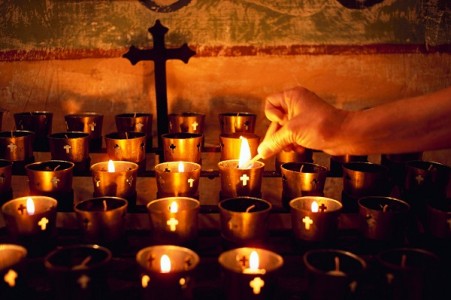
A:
(159, 54)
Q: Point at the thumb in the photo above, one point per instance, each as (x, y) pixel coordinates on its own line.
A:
(276, 142)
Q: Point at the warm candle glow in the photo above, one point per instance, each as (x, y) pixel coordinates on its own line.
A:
(254, 261)
(315, 207)
(165, 264)
(174, 207)
(245, 154)
(111, 167)
(30, 206)
(181, 167)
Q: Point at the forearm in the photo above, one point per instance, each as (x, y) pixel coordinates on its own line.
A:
(409, 125)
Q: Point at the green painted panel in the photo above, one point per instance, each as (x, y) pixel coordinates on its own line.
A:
(46, 24)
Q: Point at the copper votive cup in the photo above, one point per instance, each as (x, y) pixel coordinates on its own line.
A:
(71, 146)
(438, 219)
(302, 179)
(237, 122)
(136, 122)
(6, 191)
(102, 219)
(333, 273)
(396, 165)
(178, 227)
(79, 271)
(313, 226)
(362, 179)
(120, 183)
(17, 146)
(33, 230)
(191, 122)
(244, 220)
(300, 155)
(236, 182)
(231, 145)
(336, 163)
(241, 282)
(89, 122)
(383, 218)
(12, 271)
(39, 122)
(127, 146)
(172, 182)
(175, 284)
(52, 178)
(409, 273)
(182, 147)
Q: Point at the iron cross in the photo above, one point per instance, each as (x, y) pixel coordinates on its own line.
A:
(159, 54)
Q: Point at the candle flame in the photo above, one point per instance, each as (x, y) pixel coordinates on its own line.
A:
(30, 206)
(165, 264)
(174, 207)
(111, 167)
(254, 261)
(315, 207)
(181, 167)
(245, 154)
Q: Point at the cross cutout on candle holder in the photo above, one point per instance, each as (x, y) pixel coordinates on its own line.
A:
(243, 260)
(150, 260)
(191, 182)
(246, 125)
(256, 284)
(43, 223)
(307, 221)
(10, 277)
(419, 178)
(67, 148)
(244, 178)
(12, 148)
(194, 125)
(83, 281)
(188, 262)
(55, 181)
(129, 180)
(21, 208)
(198, 147)
(172, 223)
(139, 126)
(92, 126)
(322, 207)
(314, 183)
(172, 147)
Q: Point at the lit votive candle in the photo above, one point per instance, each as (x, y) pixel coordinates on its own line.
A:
(333, 274)
(102, 219)
(315, 218)
(31, 221)
(244, 219)
(174, 220)
(167, 272)
(12, 285)
(78, 271)
(241, 177)
(383, 218)
(178, 178)
(116, 179)
(250, 273)
(231, 144)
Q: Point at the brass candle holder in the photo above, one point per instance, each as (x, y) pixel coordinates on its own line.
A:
(244, 220)
(136, 122)
(190, 122)
(31, 221)
(237, 122)
(174, 220)
(333, 274)
(336, 163)
(6, 191)
(396, 166)
(182, 147)
(127, 146)
(52, 178)
(302, 179)
(250, 273)
(231, 145)
(78, 271)
(12, 271)
(177, 178)
(39, 122)
(167, 272)
(71, 146)
(438, 216)
(89, 122)
(17, 147)
(116, 179)
(383, 218)
(314, 218)
(300, 155)
(102, 219)
(362, 179)
(236, 182)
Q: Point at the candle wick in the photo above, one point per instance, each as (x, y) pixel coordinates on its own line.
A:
(134, 115)
(403, 260)
(126, 135)
(300, 170)
(56, 167)
(250, 208)
(385, 208)
(430, 167)
(65, 135)
(83, 263)
(337, 263)
(105, 206)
